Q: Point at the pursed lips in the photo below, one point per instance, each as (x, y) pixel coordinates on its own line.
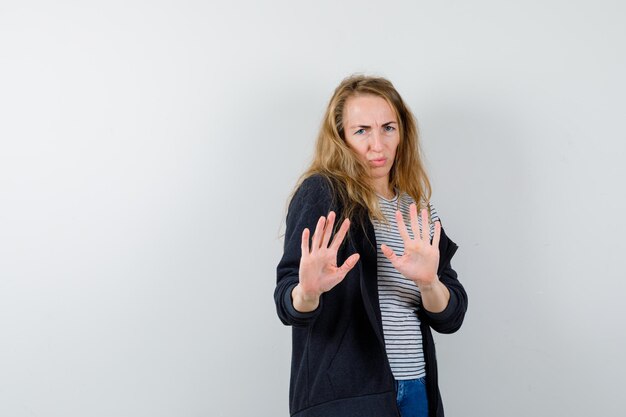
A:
(378, 161)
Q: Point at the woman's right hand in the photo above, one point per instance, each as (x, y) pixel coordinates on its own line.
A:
(318, 265)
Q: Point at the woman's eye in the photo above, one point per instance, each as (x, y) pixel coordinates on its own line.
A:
(389, 128)
(359, 132)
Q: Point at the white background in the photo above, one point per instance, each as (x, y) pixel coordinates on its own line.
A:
(148, 149)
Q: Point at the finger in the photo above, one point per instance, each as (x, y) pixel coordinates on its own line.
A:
(414, 221)
(389, 253)
(425, 226)
(340, 235)
(319, 231)
(328, 230)
(402, 227)
(305, 242)
(348, 265)
(437, 234)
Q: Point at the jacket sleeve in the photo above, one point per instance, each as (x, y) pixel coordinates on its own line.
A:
(312, 200)
(451, 318)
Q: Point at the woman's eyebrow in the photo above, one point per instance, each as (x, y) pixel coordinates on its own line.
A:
(368, 126)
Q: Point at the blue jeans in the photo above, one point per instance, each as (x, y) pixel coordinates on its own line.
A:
(412, 400)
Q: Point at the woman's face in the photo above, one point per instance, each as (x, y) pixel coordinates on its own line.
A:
(371, 130)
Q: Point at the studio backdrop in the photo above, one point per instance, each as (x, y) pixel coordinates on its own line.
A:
(148, 149)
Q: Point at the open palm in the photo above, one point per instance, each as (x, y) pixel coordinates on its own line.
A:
(319, 272)
(421, 257)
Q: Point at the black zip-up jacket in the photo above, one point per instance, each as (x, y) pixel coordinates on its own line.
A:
(339, 366)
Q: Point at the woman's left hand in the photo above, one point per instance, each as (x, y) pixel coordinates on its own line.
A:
(421, 257)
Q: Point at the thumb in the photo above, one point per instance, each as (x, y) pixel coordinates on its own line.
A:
(389, 253)
(348, 264)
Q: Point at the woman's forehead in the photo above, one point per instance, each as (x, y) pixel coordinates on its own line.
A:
(368, 108)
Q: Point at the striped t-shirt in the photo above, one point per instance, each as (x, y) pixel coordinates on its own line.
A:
(399, 296)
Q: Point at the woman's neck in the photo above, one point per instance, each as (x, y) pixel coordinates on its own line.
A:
(382, 188)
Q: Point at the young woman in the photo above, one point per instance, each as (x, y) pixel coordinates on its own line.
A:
(365, 273)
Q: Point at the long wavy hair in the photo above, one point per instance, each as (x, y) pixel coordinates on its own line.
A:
(348, 177)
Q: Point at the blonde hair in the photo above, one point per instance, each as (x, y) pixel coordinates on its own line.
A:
(348, 177)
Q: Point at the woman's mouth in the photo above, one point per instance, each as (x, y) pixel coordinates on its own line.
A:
(378, 162)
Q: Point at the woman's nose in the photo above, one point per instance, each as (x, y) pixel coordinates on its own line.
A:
(376, 142)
